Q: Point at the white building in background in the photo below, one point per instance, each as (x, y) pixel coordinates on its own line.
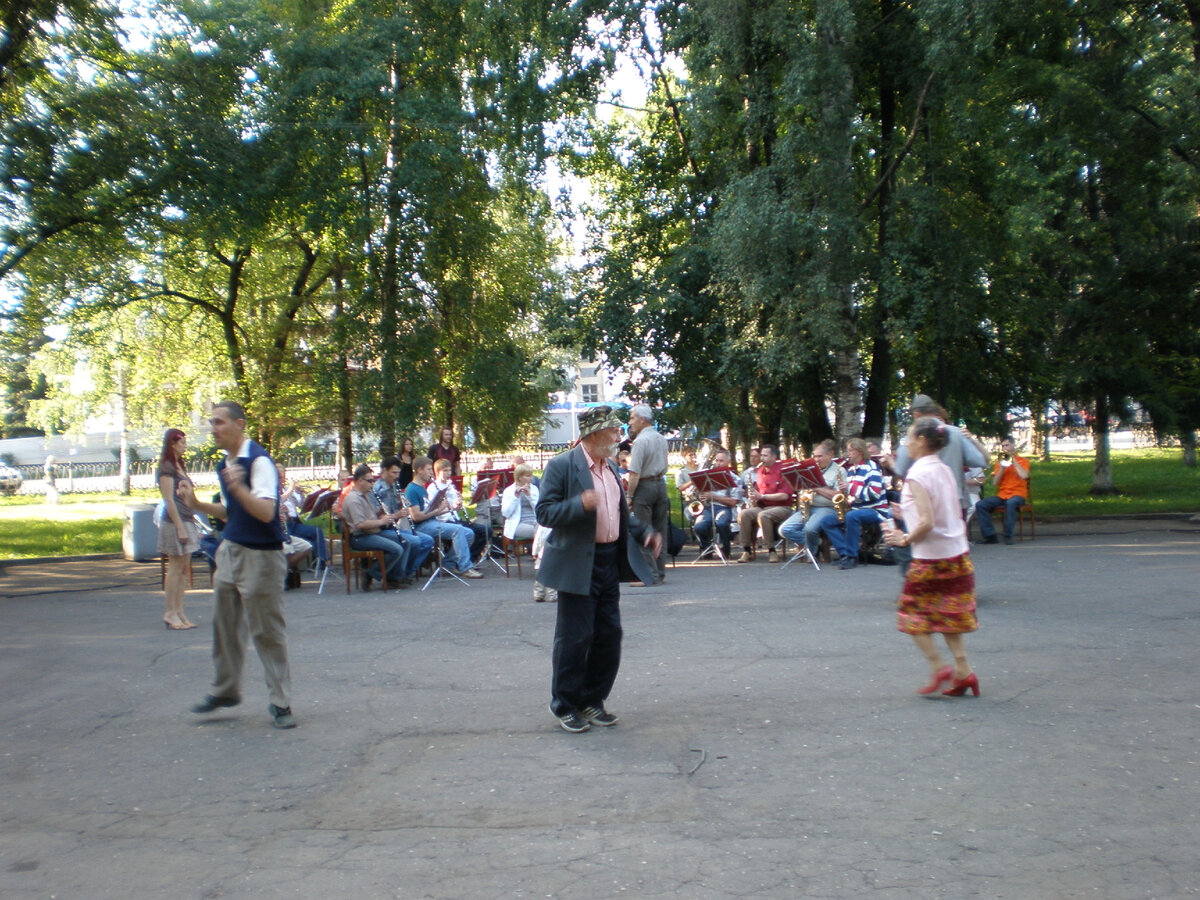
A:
(592, 384)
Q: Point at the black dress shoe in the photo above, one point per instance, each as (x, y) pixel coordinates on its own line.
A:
(990, 539)
(211, 703)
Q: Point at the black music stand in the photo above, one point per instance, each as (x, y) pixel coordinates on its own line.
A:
(803, 476)
(323, 503)
(487, 483)
(710, 481)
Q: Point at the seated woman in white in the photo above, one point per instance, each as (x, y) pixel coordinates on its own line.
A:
(517, 504)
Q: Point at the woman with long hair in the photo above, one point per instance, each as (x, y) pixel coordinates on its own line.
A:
(939, 590)
(178, 535)
(407, 454)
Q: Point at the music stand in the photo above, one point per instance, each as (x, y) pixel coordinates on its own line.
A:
(488, 482)
(307, 505)
(710, 481)
(324, 504)
(803, 476)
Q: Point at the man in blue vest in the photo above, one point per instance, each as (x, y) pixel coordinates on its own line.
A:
(248, 585)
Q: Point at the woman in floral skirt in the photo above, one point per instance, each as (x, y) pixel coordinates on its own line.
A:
(939, 590)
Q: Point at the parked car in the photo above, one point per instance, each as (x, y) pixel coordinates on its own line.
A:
(10, 480)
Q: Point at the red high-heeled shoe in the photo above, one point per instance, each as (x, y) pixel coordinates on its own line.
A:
(962, 685)
(945, 673)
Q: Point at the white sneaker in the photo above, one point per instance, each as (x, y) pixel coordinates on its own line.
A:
(471, 573)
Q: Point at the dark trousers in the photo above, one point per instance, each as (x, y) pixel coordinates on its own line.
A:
(587, 638)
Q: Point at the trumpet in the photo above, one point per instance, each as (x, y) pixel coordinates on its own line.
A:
(1005, 460)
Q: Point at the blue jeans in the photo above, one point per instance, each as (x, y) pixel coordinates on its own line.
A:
(983, 511)
(460, 535)
(703, 526)
(796, 529)
(310, 533)
(845, 538)
(395, 554)
(419, 547)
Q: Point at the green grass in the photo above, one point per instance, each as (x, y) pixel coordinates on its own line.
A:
(1150, 481)
(30, 538)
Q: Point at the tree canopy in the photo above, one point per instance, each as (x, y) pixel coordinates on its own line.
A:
(343, 214)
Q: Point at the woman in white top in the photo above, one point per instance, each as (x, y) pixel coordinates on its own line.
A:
(517, 505)
(939, 589)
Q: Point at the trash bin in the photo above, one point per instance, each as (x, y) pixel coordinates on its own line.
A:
(139, 534)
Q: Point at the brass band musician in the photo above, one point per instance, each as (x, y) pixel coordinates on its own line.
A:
(770, 499)
(805, 524)
(718, 510)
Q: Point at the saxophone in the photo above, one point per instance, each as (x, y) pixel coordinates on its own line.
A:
(841, 502)
(806, 501)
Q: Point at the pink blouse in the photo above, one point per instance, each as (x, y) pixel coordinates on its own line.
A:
(948, 537)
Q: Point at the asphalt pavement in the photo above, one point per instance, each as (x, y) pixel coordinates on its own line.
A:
(771, 742)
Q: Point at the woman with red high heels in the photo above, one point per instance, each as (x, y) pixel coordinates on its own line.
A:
(939, 589)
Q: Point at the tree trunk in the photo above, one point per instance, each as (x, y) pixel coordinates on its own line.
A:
(1188, 440)
(837, 246)
(344, 407)
(879, 381)
(1102, 474)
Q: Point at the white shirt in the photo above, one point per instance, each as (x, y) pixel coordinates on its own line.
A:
(264, 480)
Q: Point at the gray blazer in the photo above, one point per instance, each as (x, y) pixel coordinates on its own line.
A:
(571, 549)
(957, 453)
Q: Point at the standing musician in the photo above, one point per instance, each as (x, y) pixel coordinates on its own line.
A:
(864, 489)
(770, 503)
(807, 527)
(1011, 474)
(388, 492)
(721, 503)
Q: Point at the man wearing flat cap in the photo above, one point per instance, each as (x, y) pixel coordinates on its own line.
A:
(959, 451)
(593, 547)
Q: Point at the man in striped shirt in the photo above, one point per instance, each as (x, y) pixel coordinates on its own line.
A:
(865, 490)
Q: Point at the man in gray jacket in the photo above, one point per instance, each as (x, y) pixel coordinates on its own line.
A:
(593, 547)
(961, 451)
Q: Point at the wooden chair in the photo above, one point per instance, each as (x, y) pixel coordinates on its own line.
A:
(515, 545)
(1025, 509)
(162, 562)
(359, 559)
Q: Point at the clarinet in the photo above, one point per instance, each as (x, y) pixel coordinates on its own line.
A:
(379, 506)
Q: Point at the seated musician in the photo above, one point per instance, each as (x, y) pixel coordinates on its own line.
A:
(806, 525)
(718, 510)
(387, 492)
(425, 519)
(864, 489)
(372, 528)
(442, 481)
(770, 500)
(518, 503)
(748, 474)
(887, 465)
(683, 476)
(290, 500)
(1011, 474)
